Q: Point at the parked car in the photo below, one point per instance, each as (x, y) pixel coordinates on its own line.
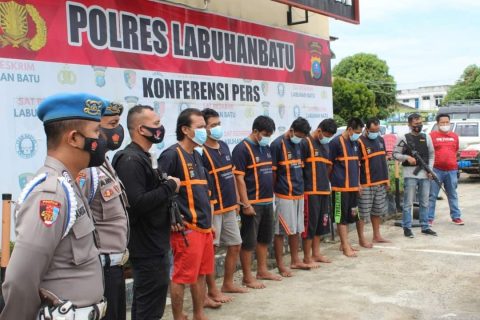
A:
(469, 159)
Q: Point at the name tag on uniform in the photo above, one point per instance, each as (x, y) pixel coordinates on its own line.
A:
(81, 212)
(289, 155)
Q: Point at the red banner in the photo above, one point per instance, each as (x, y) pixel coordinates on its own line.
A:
(160, 37)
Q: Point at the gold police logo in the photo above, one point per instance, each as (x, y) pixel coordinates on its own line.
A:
(115, 108)
(14, 26)
(315, 60)
(93, 107)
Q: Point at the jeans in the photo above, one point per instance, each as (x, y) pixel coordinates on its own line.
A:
(410, 189)
(150, 287)
(449, 180)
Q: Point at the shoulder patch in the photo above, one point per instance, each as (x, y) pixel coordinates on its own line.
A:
(49, 211)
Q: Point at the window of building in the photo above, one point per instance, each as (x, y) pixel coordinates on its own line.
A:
(406, 100)
(426, 98)
(438, 100)
(467, 129)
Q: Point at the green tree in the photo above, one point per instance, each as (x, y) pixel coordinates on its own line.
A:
(467, 87)
(352, 99)
(372, 72)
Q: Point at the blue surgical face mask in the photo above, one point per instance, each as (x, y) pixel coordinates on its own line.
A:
(199, 150)
(264, 141)
(295, 139)
(325, 140)
(373, 135)
(216, 133)
(200, 136)
(355, 136)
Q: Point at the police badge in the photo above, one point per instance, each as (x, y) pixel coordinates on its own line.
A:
(315, 60)
(99, 73)
(130, 78)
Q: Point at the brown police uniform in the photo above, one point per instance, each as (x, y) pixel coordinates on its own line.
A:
(55, 246)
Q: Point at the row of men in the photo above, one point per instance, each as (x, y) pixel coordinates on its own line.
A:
(65, 224)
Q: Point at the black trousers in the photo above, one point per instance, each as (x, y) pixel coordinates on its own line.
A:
(151, 277)
(115, 293)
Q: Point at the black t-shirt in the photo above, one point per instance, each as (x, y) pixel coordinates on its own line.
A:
(316, 163)
(148, 200)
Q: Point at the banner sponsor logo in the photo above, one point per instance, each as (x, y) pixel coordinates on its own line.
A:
(99, 73)
(25, 178)
(26, 146)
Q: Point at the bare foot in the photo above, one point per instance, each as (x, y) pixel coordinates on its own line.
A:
(322, 259)
(209, 303)
(284, 272)
(184, 317)
(254, 284)
(311, 264)
(231, 288)
(350, 253)
(201, 317)
(351, 248)
(366, 244)
(268, 276)
(217, 296)
(380, 240)
(299, 266)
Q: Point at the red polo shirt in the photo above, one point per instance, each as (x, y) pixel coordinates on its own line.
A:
(446, 148)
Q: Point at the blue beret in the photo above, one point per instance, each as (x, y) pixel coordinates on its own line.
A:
(67, 106)
(112, 108)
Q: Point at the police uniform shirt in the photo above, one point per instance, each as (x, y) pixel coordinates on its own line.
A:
(255, 163)
(373, 167)
(105, 194)
(316, 164)
(287, 164)
(55, 247)
(194, 195)
(345, 171)
(218, 162)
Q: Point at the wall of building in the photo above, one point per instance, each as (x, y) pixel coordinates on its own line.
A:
(423, 98)
(265, 12)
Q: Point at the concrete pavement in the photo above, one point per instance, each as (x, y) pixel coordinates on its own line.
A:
(421, 278)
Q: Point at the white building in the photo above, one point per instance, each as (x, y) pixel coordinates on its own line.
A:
(423, 98)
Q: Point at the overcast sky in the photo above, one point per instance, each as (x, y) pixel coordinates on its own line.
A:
(424, 42)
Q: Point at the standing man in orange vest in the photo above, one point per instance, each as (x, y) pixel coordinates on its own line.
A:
(193, 257)
(317, 190)
(288, 186)
(252, 159)
(345, 183)
(374, 179)
(218, 161)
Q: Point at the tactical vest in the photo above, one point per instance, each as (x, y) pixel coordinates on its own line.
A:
(419, 144)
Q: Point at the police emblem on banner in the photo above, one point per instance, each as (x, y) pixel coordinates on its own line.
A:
(25, 178)
(131, 101)
(296, 111)
(281, 89)
(266, 108)
(282, 129)
(264, 87)
(26, 146)
(49, 211)
(14, 26)
(66, 76)
(315, 60)
(281, 110)
(159, 107)
(249, 112)
(99, 73)
(182, 106)
(130, 78)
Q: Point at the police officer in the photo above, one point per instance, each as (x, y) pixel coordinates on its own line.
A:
(107, 199)
(55, 251)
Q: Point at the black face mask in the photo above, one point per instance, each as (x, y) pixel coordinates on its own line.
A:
(157, 134)
(97, 149)
(417, 129)
(114, 137)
